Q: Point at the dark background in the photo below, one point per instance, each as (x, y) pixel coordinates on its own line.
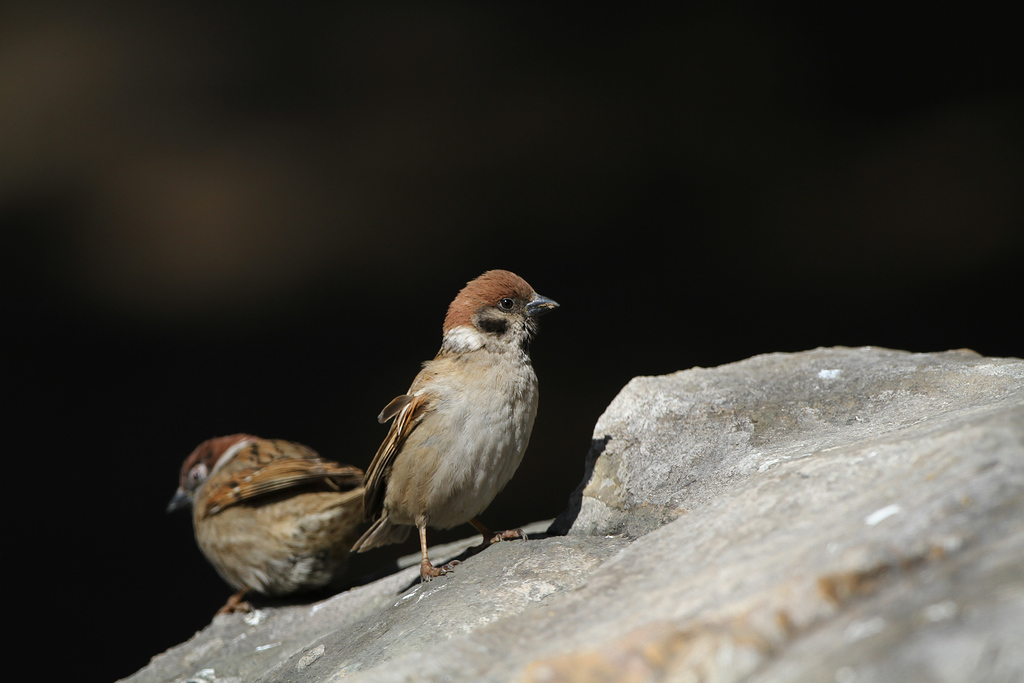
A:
(252, 218)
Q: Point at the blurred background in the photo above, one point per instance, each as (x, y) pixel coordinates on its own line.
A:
(252, 217)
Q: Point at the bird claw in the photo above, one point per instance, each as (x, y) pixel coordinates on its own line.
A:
(493, 537)
(235, 604)
(429, 571)
(510, 535)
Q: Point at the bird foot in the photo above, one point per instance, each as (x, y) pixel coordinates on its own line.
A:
(429, 571)
(510, 535)
(235, 604)
(492, 537)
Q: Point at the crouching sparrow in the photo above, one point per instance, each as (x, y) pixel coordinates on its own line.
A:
(271, 516)
(460, 432)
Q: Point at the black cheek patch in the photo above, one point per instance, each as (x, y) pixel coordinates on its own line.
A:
(492, 325)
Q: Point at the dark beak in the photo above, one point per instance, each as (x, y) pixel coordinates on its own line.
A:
(539, 306)
(180, 500)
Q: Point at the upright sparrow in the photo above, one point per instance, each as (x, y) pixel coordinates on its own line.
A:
(271, 516)
(460, 432)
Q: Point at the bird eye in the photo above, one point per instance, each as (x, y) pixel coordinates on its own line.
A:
(197, 475)
(506, 304)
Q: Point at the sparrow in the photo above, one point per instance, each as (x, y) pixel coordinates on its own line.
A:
(271, 516)
(459, 433)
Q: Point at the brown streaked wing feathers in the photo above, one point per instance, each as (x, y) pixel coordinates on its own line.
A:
(293, 466)
(395, 407)
(409, 410)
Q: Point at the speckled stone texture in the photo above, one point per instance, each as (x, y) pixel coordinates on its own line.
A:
(835, 515)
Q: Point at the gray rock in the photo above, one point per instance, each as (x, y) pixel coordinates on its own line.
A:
(670, 444)
(840, 514)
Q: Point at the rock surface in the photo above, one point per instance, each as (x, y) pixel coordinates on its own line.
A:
(839, 514)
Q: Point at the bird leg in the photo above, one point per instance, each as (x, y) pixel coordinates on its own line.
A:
(236, 604)
(495, 536)
(427, 570)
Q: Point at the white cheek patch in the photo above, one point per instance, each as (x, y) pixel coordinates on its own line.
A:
(464, 338)
(230, 453)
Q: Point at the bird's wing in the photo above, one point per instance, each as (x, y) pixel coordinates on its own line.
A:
(274, 465)
(406, 411)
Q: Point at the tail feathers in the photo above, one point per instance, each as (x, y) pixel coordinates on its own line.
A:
(381, 532)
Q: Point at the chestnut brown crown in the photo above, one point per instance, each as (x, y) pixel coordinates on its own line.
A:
(488, 302)
(199, 464)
